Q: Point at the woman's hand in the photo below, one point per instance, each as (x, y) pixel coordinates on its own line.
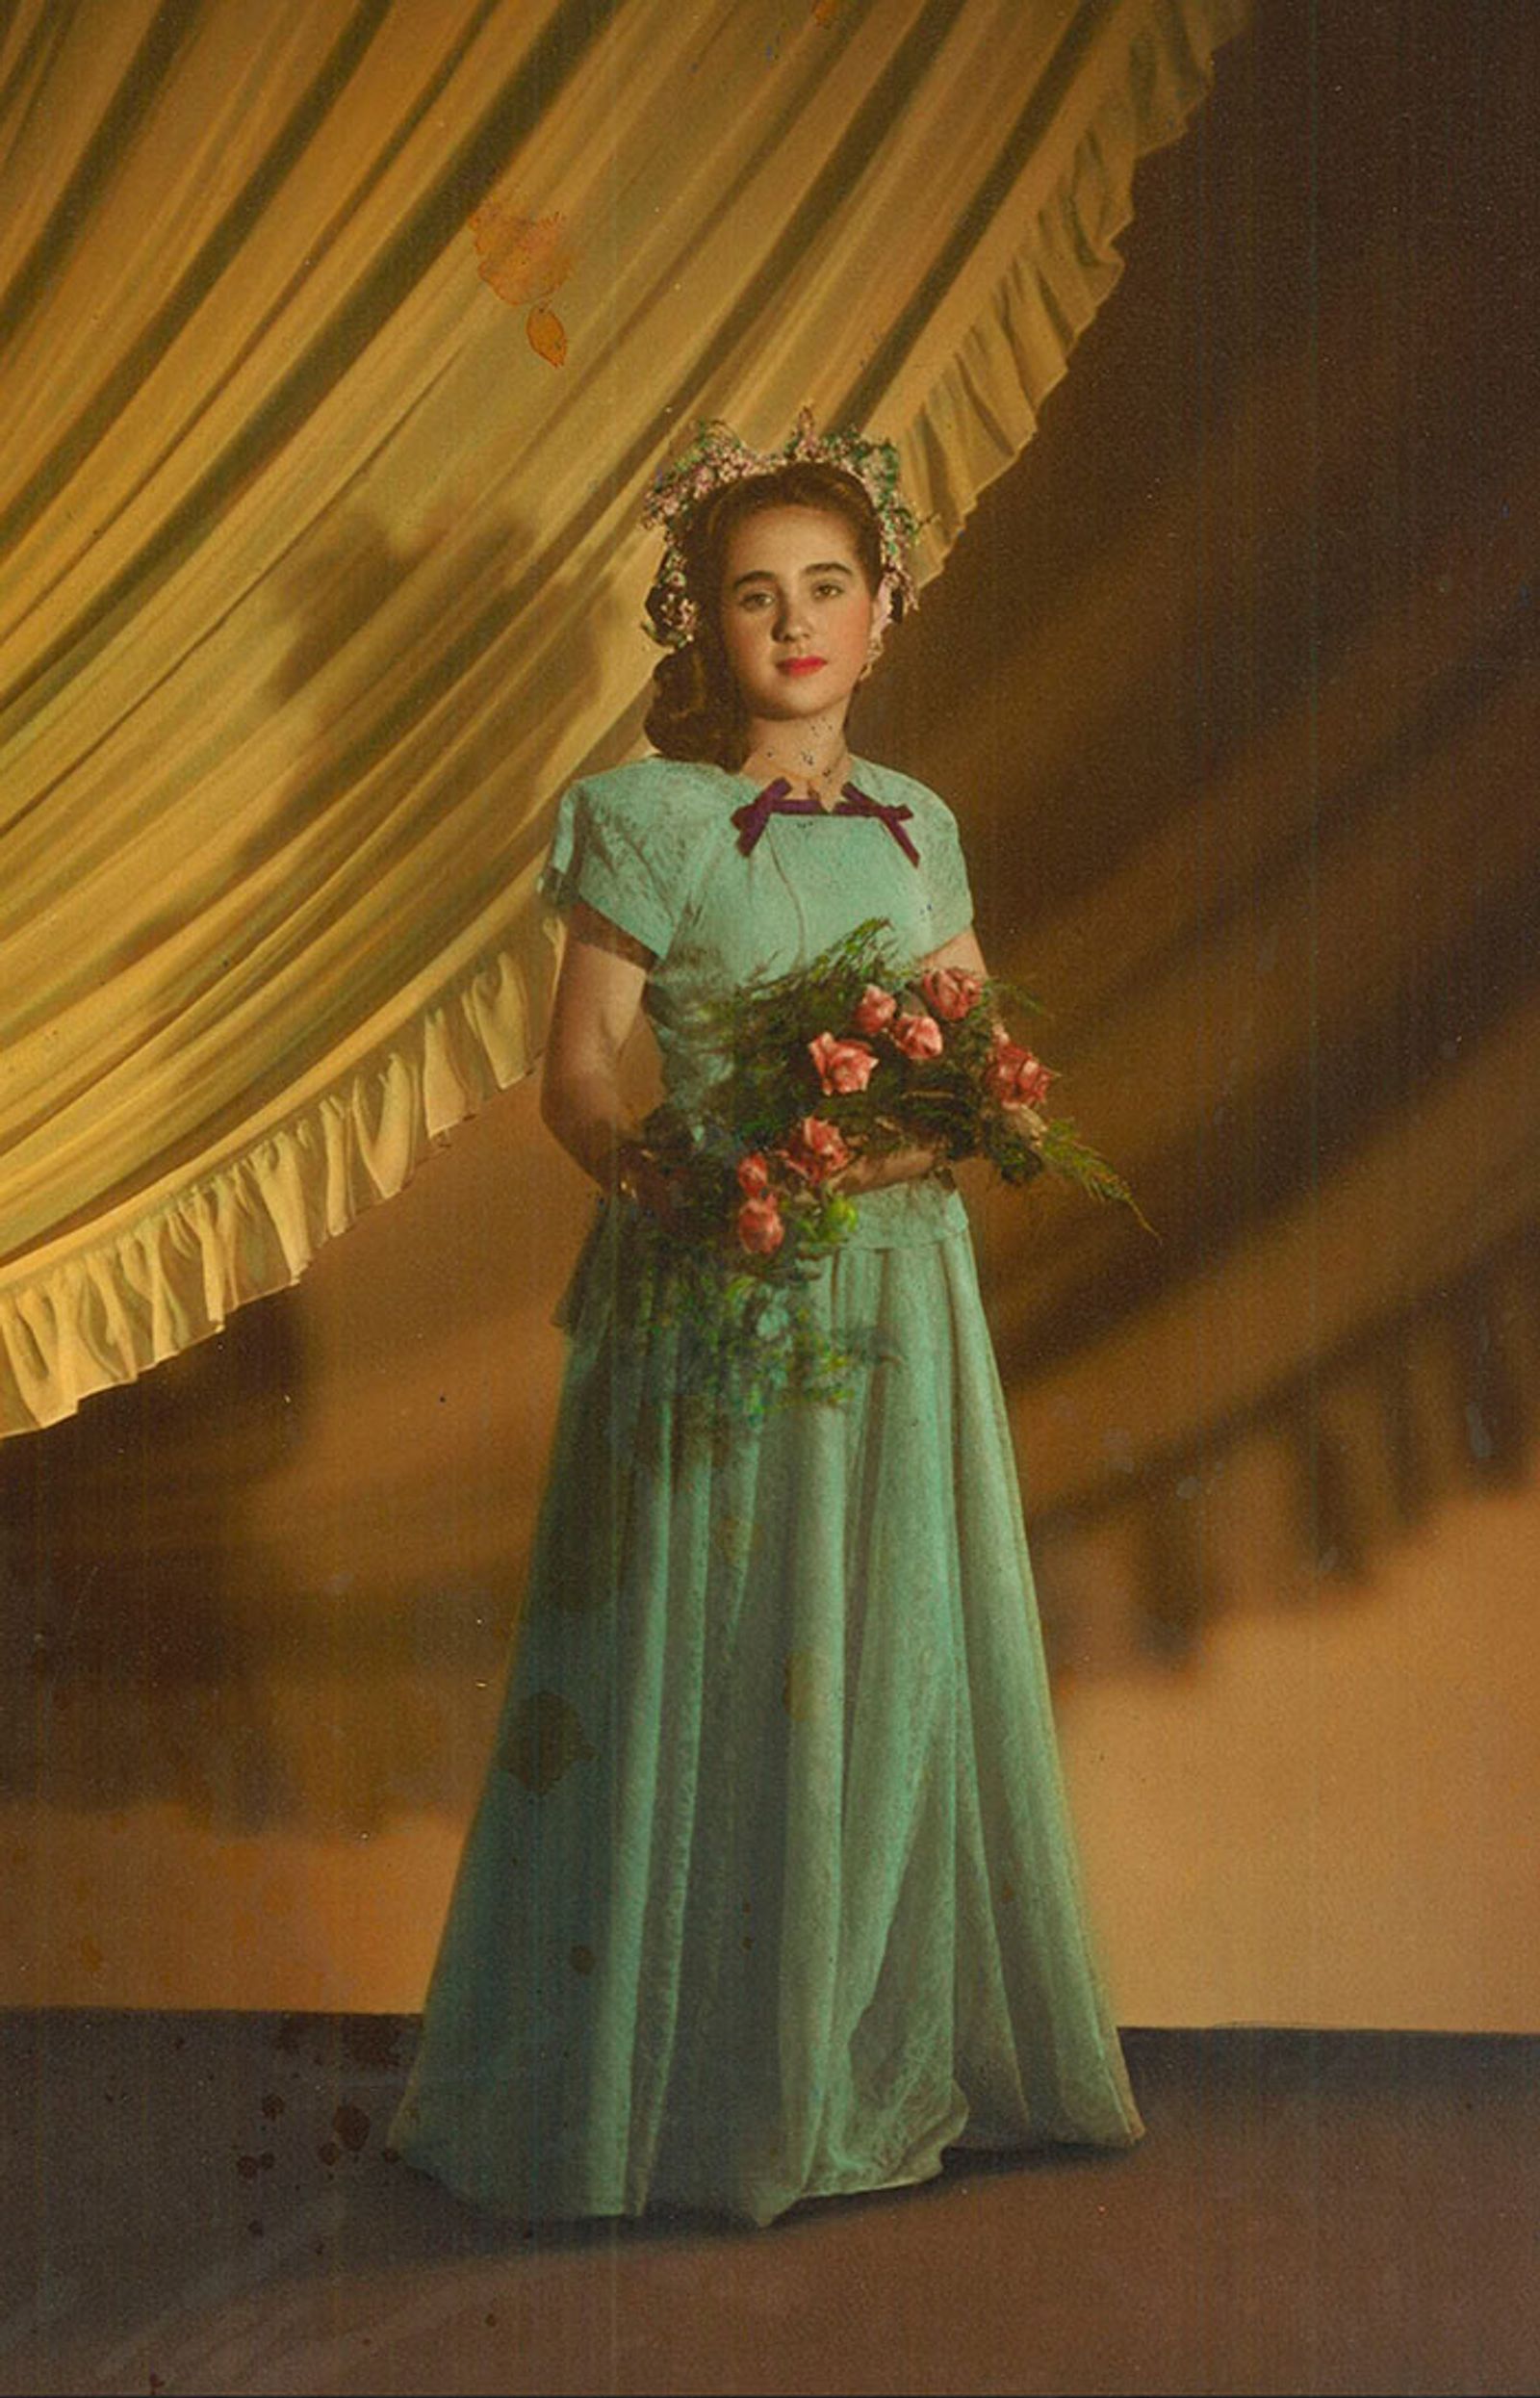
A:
(641, 1179)
(876, 1173)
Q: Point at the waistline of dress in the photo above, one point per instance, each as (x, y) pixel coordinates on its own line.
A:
(905, 1214)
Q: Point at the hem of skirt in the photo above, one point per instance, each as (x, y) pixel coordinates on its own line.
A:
(726, 2211)
(1035, 2143)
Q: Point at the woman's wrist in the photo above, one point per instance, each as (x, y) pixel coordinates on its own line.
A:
(636, 1177)
(630, 1168)
(881, 1169)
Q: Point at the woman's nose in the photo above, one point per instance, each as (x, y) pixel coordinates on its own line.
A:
(791, 619)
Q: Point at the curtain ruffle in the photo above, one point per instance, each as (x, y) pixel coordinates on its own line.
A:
(1140, 75)
(170, 1269)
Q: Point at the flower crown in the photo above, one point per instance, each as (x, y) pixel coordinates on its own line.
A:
(717, 458)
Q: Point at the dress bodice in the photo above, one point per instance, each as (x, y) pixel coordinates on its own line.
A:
(654, 848)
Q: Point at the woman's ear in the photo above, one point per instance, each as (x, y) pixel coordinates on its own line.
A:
(881, 618)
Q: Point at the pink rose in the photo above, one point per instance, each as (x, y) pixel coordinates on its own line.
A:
(1014, 1077)
(875, 1009)
(759, 1225)
(918, 1036)
(753, 1175)
(842, 1064)
(815, 1149)
(953, 991)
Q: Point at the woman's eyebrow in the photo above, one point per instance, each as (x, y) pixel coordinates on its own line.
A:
(762, 574)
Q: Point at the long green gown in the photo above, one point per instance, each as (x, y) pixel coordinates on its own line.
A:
(771, 1892)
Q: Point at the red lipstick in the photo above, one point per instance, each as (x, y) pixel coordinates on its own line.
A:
(799, 665)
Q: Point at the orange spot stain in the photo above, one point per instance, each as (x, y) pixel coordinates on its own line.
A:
(548, 335)
(524, 258)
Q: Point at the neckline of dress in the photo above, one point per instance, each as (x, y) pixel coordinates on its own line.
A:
(855, 781)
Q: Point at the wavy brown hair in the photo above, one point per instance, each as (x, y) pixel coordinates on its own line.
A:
(697, 713)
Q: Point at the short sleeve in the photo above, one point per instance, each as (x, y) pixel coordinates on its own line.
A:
(946, 874)
(599, 853)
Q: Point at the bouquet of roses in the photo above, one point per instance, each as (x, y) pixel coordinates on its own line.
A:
(852, 1057)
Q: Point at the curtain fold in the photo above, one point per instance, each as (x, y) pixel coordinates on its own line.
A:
(338, 346)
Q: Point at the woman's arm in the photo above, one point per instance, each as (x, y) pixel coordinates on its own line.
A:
(871, 1173)
(962, 949)
(599, 993)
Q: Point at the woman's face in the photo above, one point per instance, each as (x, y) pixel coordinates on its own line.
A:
(797, 613)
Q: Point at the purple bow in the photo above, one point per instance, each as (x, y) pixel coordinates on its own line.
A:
(857, 804)
(775, 800)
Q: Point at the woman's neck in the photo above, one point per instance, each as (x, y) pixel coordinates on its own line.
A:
(812, 756)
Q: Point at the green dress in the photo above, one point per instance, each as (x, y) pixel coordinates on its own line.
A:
(771, 1892)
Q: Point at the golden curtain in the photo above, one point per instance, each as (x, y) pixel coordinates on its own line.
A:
(340, 341)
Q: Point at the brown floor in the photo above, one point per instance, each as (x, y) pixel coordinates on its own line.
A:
(199, 2203)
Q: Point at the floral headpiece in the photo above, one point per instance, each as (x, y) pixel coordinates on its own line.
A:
(717, 458)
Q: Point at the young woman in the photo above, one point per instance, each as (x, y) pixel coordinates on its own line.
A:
(770, 1895)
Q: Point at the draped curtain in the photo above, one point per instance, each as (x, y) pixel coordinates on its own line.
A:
(338, 343)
